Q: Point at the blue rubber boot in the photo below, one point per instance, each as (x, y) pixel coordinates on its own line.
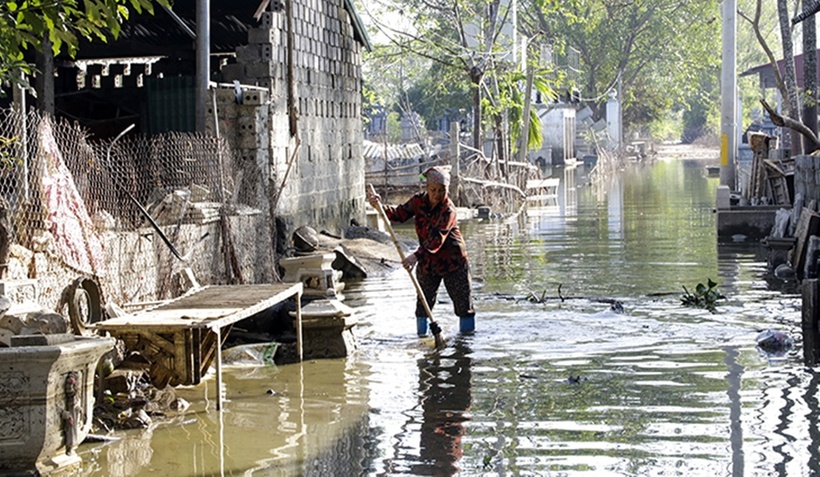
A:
(421, 325)
(466, 324)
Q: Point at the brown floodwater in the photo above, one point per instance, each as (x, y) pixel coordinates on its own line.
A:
(560, 385)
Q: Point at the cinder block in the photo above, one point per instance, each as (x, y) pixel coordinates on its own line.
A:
(233, 72)
(252, 53)
(250, 141)
(268, 20)
(258, 36)
(261, 69)
(255, 97)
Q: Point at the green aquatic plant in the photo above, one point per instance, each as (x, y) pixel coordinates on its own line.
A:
(705, 296)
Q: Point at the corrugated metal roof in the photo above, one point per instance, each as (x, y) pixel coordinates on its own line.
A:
(375, 151)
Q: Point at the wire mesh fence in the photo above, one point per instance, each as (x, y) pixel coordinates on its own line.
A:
(129, 212)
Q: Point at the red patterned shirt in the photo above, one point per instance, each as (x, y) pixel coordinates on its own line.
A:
(441, 246)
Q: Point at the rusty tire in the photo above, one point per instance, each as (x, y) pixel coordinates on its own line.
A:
(84, 301)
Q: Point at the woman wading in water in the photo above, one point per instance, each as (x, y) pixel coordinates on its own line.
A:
(442, 253)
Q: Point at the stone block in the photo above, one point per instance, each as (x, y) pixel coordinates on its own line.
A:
(39, 386)
(123, 380)
(327, 329)
(41, 340)
(252, 141)
(723, 197)
(316, 274)
(23, 295)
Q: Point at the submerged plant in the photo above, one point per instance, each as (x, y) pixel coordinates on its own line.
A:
(705, 296)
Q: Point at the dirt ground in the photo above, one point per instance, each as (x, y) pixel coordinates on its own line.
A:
(688, 151)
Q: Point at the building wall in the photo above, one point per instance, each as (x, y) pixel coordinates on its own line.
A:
(325, 186)
(558, 129)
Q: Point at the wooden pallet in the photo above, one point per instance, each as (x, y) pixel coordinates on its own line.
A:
(776, 181)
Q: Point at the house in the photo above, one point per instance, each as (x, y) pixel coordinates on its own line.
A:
(276, 179)
(146, 77)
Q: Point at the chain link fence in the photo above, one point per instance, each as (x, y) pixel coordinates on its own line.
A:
(132, 212)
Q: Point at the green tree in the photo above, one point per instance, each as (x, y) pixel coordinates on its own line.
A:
(470, 47)
(26, 25)
(757, 38)
(655, 50)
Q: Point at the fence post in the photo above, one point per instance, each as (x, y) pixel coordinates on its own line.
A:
(20, 109)
(454, 163)
(811, 311)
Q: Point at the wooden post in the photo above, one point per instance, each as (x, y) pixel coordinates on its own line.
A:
(299, 351)
(811, 316)
(524, 140)
(218, 360)
(759, 144)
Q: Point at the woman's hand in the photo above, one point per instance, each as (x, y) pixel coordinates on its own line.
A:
(410, 261)
(374, 199)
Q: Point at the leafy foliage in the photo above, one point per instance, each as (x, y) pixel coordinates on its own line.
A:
(654, 49)
(468, 47)
(705, 296)
(25, 25)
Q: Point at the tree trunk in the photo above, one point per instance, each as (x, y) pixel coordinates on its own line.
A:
(790, 78)
(501, 144)
(809, 77)
(476, 80)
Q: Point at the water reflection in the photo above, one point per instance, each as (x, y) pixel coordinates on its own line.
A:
(445, 389)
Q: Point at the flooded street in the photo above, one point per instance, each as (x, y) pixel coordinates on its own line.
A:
(557, 385)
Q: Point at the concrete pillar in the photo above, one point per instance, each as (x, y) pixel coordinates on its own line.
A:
(728, 94)
(613, 119)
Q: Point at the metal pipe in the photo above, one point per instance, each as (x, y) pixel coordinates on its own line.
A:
(203, 64)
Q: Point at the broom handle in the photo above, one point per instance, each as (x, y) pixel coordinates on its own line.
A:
(419, 292)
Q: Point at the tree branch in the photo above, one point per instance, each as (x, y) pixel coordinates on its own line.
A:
(785, 121)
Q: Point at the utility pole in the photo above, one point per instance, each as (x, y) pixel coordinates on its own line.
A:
(728, 94)
(203, 62)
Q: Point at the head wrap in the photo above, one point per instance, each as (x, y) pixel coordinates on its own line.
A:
(438, 175)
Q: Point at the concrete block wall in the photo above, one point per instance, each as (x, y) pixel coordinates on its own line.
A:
(325, 187)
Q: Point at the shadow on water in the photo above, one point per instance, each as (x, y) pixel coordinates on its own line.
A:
(564, 384)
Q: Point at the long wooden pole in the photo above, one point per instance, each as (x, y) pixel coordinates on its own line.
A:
(434, 327)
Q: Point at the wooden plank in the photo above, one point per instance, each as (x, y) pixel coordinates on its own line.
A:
(774, 167)
(780, 192)
(543, 191)
(807, 225)
(209, 306)
(551, 182)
